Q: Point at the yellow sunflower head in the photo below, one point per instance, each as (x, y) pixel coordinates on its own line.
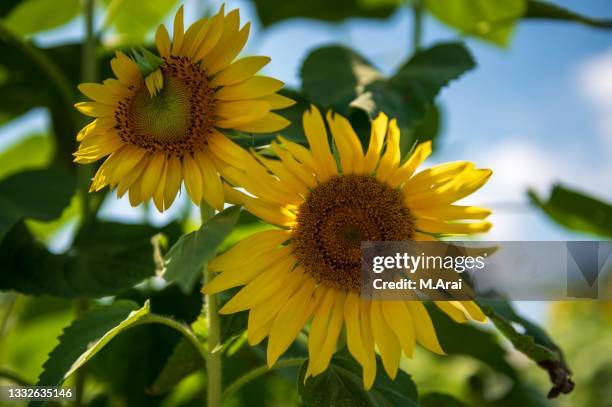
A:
(309, 268)
(161, 121)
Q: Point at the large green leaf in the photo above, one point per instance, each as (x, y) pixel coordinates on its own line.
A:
(576, 211)
(475, 342)
(31, 16)
(491, 20)
(134, 19)
(77, 337)
(38, 194)
(338, 78)
(334, 76)
(33, 152)
(549, 11)
(272, 11)
(440, 400)
(106, 259)
(341, 385)
(185, 260)
(86, 336)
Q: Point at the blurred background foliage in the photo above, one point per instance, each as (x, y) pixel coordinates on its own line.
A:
(71, 278)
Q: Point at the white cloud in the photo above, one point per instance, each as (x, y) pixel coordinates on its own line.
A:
(595, 82)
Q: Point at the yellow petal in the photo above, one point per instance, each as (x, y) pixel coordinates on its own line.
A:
(264, 313)
(403, 173)
(318, 328)
(212, 185)
(174, 178)
(177, 38)
(352, 321)
(323, 357)
(128, 160)
(232, 114)
(435, 226)
(278, 101)
(99, 93)
(261, 287)
(230, 51)
(399, 320)
(240, 71)
(453, 310)
(244, 251)
(388, 346)
(314, 129)
(130, 178)
(213, 34)
(227, 151)
(158, 194)
(369, 367)
(269, 123)
(252, 88)
(95, 109)
(230, 278)
(425, 332)
(151, 176)
(125, 69)
(391, 158)
(377, 138)
(193, 179)
(290, 320)
(162, 40)
(453, 212)
(474, 310)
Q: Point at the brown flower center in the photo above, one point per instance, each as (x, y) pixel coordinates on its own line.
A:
(337, 216)
(177, 119)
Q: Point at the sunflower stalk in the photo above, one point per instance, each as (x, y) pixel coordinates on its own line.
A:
(213, 342)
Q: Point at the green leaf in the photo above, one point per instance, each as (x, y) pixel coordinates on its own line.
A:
(38, 15)
(38, 194)
(272, 11)
(440, 400)
(33, 152)
(550, 11)
(183, 361)
(134, 19)
(576, 211)
(106, 259)
(409, 93)
(334, 76)
(86, 336)
(533, 342)
(82, 336)
(476, 343)
(341, 385)
(185, 260)
(490, 20)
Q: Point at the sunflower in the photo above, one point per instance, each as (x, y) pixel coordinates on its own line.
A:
(308, 269)
(161, 122)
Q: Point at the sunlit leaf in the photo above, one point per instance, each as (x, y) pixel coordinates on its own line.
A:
(32, 152)
(38, 194)
(487, 19)
(341, 385)
(576, 211)
(185, 260)
(134, 19)
(32, 16)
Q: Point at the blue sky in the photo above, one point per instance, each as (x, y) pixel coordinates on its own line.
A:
(536, 112)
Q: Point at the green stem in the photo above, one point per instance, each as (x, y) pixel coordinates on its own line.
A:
(260, 371)
(417, 26)
(14, 377)
(211, 310)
